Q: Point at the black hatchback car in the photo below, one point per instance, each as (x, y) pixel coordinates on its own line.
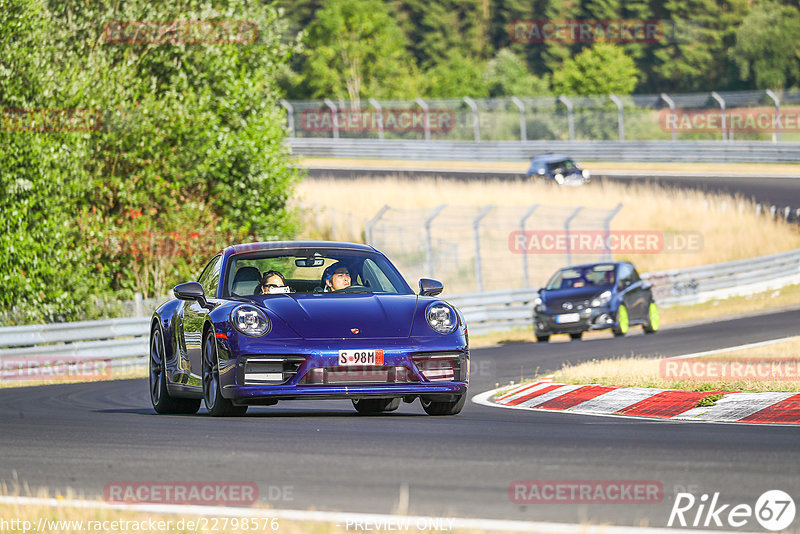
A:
(594, 297)
(558, 168)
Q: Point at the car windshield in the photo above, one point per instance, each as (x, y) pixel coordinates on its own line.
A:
(590, 276)
(566, 165)
(302, 272)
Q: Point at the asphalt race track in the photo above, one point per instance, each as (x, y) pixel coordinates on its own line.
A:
(323, 455)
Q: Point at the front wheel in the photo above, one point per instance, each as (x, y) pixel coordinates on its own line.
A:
(621, 328)
(543, 338)
(216, 404)
(376, 405)
(651, 324)
(443, 407)
(163, 402)
(576, 336)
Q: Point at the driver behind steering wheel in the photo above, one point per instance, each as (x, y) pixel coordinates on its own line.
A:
(336, 277)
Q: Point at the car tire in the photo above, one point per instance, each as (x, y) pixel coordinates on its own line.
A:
(163, 402)
(651, 323)
(622, 325)
(576, 337)
(443, 407)
(374, 406)
(216, 404)
(543, 338)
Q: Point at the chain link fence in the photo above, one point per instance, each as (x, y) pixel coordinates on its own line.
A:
(764, 115)
(471, 248)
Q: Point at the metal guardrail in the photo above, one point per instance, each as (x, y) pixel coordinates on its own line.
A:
(120, 339)
(658, 151)
(506, 310)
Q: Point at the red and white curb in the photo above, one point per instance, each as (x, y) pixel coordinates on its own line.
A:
(543, 395)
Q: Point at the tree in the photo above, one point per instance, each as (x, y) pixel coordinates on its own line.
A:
(508, 75)
(589, 73)
(454, 77)
(695, 58)
(186, 157)
(767, 51)
(355, 49)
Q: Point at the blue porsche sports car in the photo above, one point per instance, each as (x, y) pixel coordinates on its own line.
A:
(594, 297)
(306, 320)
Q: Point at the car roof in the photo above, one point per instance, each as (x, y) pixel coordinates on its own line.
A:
(278, 245)
(584, 265)
(547, 158)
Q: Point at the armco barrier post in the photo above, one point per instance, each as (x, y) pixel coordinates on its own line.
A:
(422, 104)
(289, 116)
(721, 102)
(522, 221)
(567, 222)
(620, 116)
(570, 116)
(371, 224)
(523, 134)
(671, 104)
(428, 241)
(379, 109)
(476, 126)
(476, 233)
(334, 121)
(607, 232)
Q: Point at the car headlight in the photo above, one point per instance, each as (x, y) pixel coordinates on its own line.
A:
(538, 304)
(559, 178)
(586, 174)
(250, 321)
(441, 318)
(602, 299)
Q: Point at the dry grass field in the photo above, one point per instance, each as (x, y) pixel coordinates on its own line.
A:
(730, 227)
(772, 367)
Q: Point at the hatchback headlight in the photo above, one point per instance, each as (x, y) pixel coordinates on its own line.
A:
(250, 321)
(441, 318)
(559, 178)
(586, 174)
(602, 299)
(538, 304)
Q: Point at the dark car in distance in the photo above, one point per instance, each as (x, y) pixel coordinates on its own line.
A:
(594, 296)
(268, 322)
(558, 168)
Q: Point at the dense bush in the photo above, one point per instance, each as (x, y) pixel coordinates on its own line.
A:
(185, 155)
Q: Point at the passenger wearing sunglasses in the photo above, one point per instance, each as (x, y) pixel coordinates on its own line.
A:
(273, 282)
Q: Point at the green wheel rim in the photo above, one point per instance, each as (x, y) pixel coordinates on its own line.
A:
(653, 314)
(622, 319)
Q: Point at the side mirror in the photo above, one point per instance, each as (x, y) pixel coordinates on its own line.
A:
(430, 288)
(191, 291)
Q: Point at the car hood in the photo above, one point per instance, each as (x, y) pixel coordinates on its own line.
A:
(324, 316)
(578, 293)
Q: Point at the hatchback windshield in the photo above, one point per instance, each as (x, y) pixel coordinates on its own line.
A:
(312, 271)
(574, 277)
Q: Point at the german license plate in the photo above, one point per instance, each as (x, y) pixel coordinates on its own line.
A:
(567, 318)
(361, 357)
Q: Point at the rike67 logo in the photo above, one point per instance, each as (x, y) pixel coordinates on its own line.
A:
(774, 510)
